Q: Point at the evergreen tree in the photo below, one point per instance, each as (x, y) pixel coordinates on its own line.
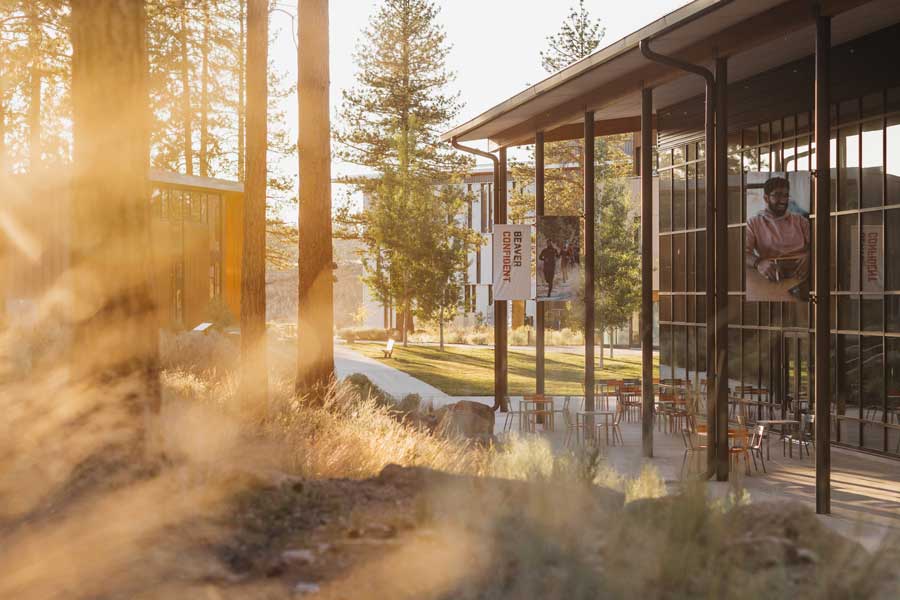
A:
(577, 38)
(116, 335)
(34, 85)
(443, 240)
(315, 307)
(391, 120)
(254, 376)
(617, 260)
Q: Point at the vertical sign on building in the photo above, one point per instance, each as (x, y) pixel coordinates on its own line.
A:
(512, 262)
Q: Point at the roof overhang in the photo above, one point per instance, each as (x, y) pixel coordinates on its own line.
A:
(160, 176)
(755, 35)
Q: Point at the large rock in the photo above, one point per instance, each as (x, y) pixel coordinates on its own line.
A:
(471, 420)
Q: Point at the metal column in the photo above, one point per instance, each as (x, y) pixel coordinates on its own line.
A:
(822, 260)
(647, 271)
(721, 267)
(589, 222)
(539, 212)
(500, 306)
(709, 175)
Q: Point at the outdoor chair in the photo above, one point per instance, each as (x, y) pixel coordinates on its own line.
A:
(572, 426)
(691, 449)
(616, 430)
(740, 448)
(539, 414)
(511, 416)
(756, 442)
(564, 411)
(630, 397)
(604, 391)
(664, 408)
(803, 437)
(388, 350)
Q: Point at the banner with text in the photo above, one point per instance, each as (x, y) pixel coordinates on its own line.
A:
(512, 262)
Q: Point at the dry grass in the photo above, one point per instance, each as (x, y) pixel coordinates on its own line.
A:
(523, 522)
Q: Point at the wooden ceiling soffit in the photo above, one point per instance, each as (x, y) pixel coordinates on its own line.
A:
(575, 131)
(759, 29)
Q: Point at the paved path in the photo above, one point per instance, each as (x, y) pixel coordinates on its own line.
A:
(393, 381)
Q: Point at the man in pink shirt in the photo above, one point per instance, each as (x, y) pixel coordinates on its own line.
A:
(778, 242)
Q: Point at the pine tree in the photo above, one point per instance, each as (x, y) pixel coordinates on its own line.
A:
(443, 240)
(117, 340)
(391, 120)
(315, 307)
(617, 260)
(34, 85)
(254, 377)
(578, 37)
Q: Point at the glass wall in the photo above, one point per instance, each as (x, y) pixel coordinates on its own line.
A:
(682, 263)
(770, 342)
(188, 220)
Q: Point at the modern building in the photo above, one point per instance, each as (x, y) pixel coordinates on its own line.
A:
(195, 231)
(729, 95)
(477, 300)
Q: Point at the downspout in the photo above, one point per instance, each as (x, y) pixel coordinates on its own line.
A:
(709, 174)
(499, 399)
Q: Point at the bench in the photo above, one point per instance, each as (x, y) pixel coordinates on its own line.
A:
(389, 349)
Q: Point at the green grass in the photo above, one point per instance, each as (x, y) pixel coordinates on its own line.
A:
(470, 371)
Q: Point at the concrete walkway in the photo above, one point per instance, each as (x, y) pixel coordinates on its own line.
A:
(393, 381)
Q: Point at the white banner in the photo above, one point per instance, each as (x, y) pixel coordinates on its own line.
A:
(512, 262)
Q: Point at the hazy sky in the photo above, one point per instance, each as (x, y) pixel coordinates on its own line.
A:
(495, 43)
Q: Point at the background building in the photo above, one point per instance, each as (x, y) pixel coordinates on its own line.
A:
(195, 232)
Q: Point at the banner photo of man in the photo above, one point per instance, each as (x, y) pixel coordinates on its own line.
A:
(777, 241)
(558, 258)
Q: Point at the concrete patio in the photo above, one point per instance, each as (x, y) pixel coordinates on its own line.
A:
(865, 488)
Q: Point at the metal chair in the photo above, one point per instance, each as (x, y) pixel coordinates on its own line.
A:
(511, 416)
(690, 448)
(615, 427)
(756, 442)
(803, 437)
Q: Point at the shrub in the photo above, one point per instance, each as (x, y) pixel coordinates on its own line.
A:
(368, 390)
(564, 337)
(480, 337)
(195, 352)
(352, 334)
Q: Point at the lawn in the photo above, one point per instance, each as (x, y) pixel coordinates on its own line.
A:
(469, 371)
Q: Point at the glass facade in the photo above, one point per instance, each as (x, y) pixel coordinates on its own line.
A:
(770, 343)
(188, 222)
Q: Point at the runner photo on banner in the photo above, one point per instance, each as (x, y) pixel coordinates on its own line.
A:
(558, 258)
(778, 237)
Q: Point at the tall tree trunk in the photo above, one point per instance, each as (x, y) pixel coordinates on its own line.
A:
(254, 377)
(441, 326)
(315, 353)
(241, 107)
(3, 150)
(116, 328)
(186, 120)
(34, 95)
(602, 344)
(204, 93)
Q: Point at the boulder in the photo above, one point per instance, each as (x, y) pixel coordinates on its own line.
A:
(470, 420)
